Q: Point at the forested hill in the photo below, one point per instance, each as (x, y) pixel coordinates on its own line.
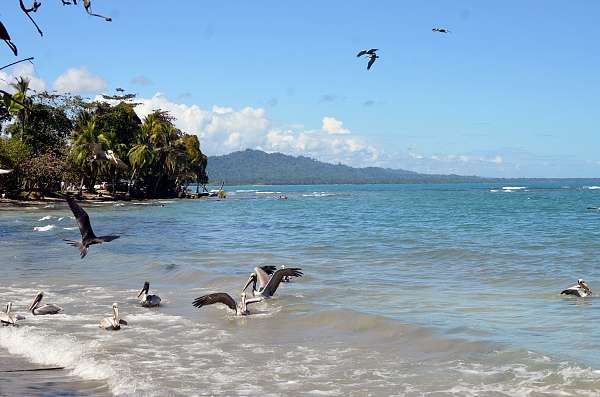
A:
(255, 166)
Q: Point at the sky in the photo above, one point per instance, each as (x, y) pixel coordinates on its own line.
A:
(511, 91)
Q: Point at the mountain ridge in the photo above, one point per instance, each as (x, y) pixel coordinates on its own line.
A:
(252, 166)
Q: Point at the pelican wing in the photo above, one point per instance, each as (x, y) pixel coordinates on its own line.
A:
(372, 50)
(276, 278)
(105, 239)
(83, 219)
(573, 290)
(371, 62)
(4, 33)
(219, 297)
(361, 53)
(269, 269)
(48, 309)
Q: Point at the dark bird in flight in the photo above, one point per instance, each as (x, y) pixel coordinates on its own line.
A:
(440, 30)
(371, 54)
(6, 37)
(87, 234)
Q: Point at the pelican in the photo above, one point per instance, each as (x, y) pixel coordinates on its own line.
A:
(148, 300)
(7, 318)
(268, 285)
(440, 30)
(372, 56)
(240, 309)
(38, 310)
(580, 289)
(85, 228)
(113, 323)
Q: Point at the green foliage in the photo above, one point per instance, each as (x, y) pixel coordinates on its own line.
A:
(51, 138)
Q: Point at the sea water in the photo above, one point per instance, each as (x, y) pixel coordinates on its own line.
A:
(411, 290)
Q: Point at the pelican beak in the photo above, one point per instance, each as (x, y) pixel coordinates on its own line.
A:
(116, 312)
(250, 280)
(145, 289)
(35, 302)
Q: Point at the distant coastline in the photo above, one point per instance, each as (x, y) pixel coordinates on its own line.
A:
(255, 167)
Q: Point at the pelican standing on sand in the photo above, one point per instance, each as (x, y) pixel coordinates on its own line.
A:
(113, 323)
(37, 310)
(240, 309)
(580, 289)
(268, 285)
(7, 318)
(148, 300)
(85, 228)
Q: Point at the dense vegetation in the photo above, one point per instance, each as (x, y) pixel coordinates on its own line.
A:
(255, 166)
(51, 142)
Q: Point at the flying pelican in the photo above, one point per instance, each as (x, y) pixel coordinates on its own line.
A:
(240, 309)
(440, 30)
(580, 289)
(268, 285)
(7, 318)
(113, 323)
(38, 310)
(148, 300)
(6, 37)
(372, 56)
(87, 234)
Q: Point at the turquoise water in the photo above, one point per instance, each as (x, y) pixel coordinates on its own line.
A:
(449, 289)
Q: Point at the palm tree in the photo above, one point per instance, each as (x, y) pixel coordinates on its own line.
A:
(87, 146)
(21, 86)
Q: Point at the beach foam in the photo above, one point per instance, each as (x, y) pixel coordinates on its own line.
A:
(44, 228)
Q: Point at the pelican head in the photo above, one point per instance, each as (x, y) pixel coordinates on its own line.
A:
(145, 289)
(584, 285)
(36, 301)
(115, 308)
(251, 280)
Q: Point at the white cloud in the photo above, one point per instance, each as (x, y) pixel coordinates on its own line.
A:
(224, 129)
(79, 81)
(23, 70)
(333, 126)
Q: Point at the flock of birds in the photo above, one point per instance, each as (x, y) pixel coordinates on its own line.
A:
(265, 281)
(372, 53)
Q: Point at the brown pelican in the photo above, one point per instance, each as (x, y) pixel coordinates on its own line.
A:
(268, 285)
(240, 309)
(38, 310)
(85, 228)
(580, 289)
(440, 30)
(148, 300)
(113, 323)
(372, 56)
(7, 318)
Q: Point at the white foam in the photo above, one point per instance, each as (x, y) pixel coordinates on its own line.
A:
(592, 187)
(513, 188)
(267, 192)
(47, 217)
(246, 191)
(43, 228)
(318, 194)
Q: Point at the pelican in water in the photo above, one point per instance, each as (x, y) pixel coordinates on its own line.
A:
(241, 309)
(268, 285)
(148, 300)
(7, 318)
(113, 323)
(85, 228)
(37, 310)
(580, 289)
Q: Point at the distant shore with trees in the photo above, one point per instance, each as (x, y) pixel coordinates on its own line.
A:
(51, 144)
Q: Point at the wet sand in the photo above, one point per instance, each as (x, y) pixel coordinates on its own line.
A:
(42, 383)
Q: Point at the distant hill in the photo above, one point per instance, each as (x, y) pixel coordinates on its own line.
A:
(256, 167)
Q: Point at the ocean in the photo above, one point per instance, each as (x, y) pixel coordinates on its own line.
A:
(408, 290)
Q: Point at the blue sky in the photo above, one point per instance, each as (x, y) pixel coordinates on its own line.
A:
(511, 91)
